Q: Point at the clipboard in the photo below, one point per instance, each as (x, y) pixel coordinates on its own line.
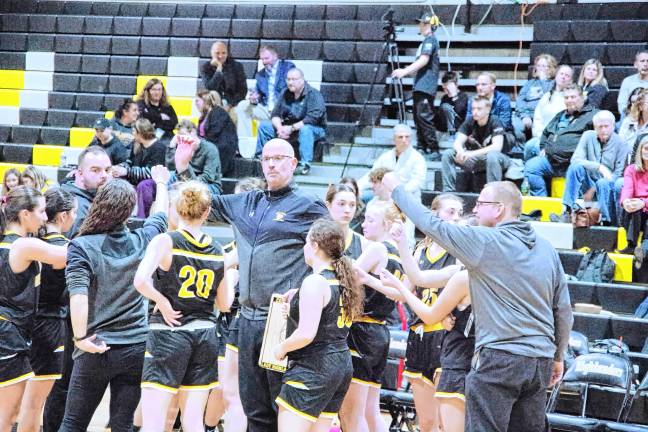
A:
(273, 335)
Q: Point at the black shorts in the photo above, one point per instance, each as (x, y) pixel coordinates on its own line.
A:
(369, 346)
(48, 344)
(181, 359)
(452, 384)
(223, 337)
(423, 355)
(14, 355)
(316, 386)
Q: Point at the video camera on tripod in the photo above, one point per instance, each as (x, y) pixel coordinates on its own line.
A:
(390, 27)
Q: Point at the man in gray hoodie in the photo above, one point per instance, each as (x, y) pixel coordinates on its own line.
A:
(521, 304)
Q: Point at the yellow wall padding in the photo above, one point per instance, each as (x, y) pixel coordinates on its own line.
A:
(48, 155)
(12, 79)
(81, 137)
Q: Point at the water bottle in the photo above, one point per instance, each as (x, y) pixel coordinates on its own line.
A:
(524, 187)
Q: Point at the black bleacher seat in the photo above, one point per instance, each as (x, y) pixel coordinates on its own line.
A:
(361, 91)
(66, 82)
(339, 51)
(68, 43)
(41, 42)
(244, 48)
(246, 28)
(190, 10)
(632, 330)
(5, 133)
(282, 46)
(87, 118)
(341, 30)
(90, 101)
(22, 6)
(613, 11)
(629, 30)
(16, 153)
(369, 51)
(102, 25)
(32, 117)
(70, 24)
(623, 53)
(183, 47)
(580, 52)
(337, 112)
(125, 45)
(96, 44)
(21, 134)
(93, 83)
(15, 23)
(54, 135)
(161, 10)
(133, 9)
(127, 25)
(364, 72)
(155, 26)
(204, 47)
(336, 92)
(249, 11)
(13, 41)
(374, 12)
(594, 31)
(185, 27)
(77, 8)
(126, 65)
(338, 72)
(61, 118)
(341, 132)
(122, 84)
(370, 30)
(154, 45)
(61, 100)
(580, 11)
(112, 101)
(67, 62)
(215, 27)
(50, 7)
(613, 297)
(308, 29)
(616, 74)
(277, 29)
(310, 12)
(42, 23)
(307, 50)
(219, 11)
(249, 66)
(279, 12)
(12, 60)
(408, 13)
(105, 9)
(503, 14)
(558, 31)
(341, 12)
(596, 237)
(153, 65)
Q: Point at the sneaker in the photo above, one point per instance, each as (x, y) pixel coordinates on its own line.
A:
(639, 254)
(305, 169)
(561, 218)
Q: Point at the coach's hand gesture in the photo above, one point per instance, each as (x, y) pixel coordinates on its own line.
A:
(91, 345)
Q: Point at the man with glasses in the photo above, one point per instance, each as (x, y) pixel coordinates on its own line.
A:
(270, 229)
(521, 304)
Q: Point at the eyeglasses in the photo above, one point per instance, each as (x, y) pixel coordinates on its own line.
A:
(275, 159)
(479, 203)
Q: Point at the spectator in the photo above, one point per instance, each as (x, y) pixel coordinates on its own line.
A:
(454, 105)
(405, 160)
(216, 126)
(375, 178)
(559, 141)
(270, 82)
(154, 106)
(593, 81)
(500, 103)
(478, 147)
(552, 102)
(224, 75)
(544, 70)
(597, 163)
(35, 178)
(205, 161)
(300, 113)
(122, 123)
(10, 180)
(426, 68)
(635, 122)
(634, 197)
(104, 137)
(640, 79)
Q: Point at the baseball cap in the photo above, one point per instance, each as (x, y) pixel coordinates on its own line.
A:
(102, 123)
(429, 18)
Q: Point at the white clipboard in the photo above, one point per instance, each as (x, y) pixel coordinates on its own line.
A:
(274, 334)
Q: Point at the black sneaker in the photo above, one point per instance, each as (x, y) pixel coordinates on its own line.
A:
(305, 169)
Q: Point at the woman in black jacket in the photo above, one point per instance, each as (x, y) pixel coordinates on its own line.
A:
(154, 105)
(216, 126)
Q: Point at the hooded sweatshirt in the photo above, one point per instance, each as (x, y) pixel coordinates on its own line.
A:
(518, 289)
(84, 200)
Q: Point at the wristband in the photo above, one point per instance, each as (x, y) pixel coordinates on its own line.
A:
(78, 339)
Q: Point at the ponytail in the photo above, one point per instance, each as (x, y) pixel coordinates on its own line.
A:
(351, 293)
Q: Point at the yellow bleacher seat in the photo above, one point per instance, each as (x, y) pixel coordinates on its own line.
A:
(109, 114)
(48, 155)
(557, 187)
(183, 106)
(143, 79)
(622, 241)
(546, 204)
(9, 97)
(12, 79)
(4, 166)
(81, 137)
(623, 268)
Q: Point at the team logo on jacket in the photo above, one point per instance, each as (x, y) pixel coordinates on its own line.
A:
(279, 217)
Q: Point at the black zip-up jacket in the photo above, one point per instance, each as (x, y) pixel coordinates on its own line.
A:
(271, 229)
(154, 114)
(231, 83)
(309, 107)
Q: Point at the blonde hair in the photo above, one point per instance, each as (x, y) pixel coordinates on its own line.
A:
(145, 129)
(636, 110)
(600, 79)
(552, 64)
(192, 200)
(211, 99)
(36, 175)
(638, 160)
(390, 213)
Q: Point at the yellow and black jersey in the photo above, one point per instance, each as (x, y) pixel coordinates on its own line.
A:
(18, 291)
(459, 343)
(427, 261)
(53, 298)
(333, 327)
(353, 245)
(192, 280)
(377, 306)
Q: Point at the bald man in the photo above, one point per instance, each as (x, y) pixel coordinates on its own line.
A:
(521, 304)
(225, 75)
(270, 229)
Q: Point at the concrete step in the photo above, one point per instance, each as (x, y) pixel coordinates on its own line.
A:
(473, 59)
(484, 33)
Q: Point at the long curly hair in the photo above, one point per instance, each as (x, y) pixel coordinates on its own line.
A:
(329, 236)
(110, 209)
(145, 96)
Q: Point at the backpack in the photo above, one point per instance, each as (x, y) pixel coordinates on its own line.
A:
(596, 266)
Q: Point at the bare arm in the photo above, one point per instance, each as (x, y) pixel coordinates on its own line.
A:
(28, 249)
(373, 258)
(496, 145)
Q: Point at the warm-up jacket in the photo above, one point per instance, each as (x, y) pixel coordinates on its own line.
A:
(518, 289)
(271, 229)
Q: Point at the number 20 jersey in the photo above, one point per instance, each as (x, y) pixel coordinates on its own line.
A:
(191, 283)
